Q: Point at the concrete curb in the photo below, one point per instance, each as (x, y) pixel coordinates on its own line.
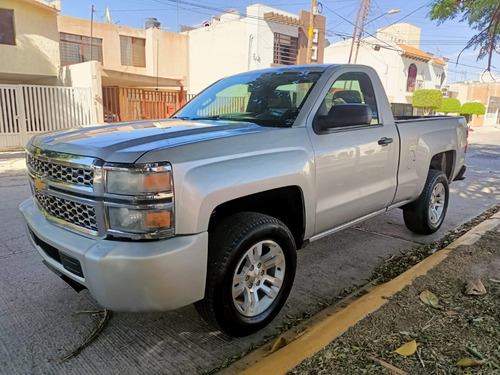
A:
(335, 320)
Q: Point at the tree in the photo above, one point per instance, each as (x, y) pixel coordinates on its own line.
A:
(472, 108)
(481, 15)
(449, 105)
(427, 100)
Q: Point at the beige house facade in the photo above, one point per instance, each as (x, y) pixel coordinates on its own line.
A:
(485, 91)
(29, 41)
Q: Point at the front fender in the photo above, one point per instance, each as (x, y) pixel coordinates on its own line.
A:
(206, 186)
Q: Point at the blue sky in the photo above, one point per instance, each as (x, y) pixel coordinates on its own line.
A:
(447, 39)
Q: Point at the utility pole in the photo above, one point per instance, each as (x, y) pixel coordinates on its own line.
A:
(91, 29)
(311, 32)
(365, 12)
(355, 30)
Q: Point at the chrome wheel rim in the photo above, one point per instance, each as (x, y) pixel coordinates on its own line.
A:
(436, 203)
(258, 278)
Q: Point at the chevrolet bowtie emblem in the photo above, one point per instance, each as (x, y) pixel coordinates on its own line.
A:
(39, 184)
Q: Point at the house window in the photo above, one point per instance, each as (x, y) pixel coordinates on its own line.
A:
(314, 56)
(285, 49)
(133, 51)
(7, 34)
(79, 48)
(412, 77)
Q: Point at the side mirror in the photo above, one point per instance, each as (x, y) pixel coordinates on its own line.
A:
(348, 114)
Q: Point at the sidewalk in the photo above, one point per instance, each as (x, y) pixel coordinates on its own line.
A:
(12, 163)
(361, 336)
(455, 327)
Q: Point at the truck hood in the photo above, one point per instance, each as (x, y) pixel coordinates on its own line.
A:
(125, 143)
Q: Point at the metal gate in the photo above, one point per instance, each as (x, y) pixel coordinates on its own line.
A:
(134, 104)
(29, 109)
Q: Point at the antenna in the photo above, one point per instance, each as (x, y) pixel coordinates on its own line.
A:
(91, 29)
(108, 15)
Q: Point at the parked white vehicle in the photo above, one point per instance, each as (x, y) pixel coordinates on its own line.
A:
(209, 207)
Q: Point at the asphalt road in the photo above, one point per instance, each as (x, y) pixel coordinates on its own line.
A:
(41, 319)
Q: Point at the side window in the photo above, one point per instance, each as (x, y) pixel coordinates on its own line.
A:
(354, 87)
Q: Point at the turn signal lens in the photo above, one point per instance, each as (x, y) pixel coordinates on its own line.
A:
(155, 220)
(139, 221)
(157, 182)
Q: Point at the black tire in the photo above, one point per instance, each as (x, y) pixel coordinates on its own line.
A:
(418, 216)
(229, 246)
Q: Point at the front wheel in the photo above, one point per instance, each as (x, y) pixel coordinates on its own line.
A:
(426, 214)
(251, 268)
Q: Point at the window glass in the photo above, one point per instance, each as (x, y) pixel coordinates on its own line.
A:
(355, 87)
(264, 98)
(412, 78)
(7, 34)
(285, 49)
(133, 51)
(79, 48)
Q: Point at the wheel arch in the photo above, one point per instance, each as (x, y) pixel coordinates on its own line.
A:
(285, 204)
(445, 162)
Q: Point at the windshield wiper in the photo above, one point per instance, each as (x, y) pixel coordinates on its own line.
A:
(217, 117)
(181, 117)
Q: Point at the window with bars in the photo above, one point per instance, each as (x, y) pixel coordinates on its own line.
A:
(285, 49)
(7, 34)
(133, 51)
(79, 48)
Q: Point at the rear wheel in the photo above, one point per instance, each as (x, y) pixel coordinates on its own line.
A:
(252, 260)
(427, 213)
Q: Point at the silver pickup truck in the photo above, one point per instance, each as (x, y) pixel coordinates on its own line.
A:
(210, 206)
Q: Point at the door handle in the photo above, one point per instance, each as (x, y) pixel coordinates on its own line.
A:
(384, 141)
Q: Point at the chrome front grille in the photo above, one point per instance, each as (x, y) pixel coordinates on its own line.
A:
(61, 173)
(79, 214)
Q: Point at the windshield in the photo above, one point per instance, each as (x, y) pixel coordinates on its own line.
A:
(267, 99)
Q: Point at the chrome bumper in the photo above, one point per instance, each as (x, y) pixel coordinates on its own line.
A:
(124, 275)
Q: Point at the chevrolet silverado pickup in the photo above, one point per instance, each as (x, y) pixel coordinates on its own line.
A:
(210, 206)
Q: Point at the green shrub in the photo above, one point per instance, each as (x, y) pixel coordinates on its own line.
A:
(473, 108)
(449, 105)
(427, 100)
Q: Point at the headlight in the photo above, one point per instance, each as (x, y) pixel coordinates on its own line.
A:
(140, 220)
(139, 181)
(142, 205)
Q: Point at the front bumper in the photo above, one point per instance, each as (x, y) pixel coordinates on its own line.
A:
(124, 275)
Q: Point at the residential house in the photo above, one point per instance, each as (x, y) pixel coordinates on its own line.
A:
(143, 72)
(400, 63)
(29, 41)
(232, 43)
(487, 91)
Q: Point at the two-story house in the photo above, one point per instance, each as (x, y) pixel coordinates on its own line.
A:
(400, 63)
(143, 72)
(232, 43)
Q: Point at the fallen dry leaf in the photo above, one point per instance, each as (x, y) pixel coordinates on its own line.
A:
(469, 362)
(429, 298)
(451, 312)
(407, 349)
(475, 287)
(278, 344)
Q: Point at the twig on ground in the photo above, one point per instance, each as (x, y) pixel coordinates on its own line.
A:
(388, 366)
(420, 359)
(106, 315)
